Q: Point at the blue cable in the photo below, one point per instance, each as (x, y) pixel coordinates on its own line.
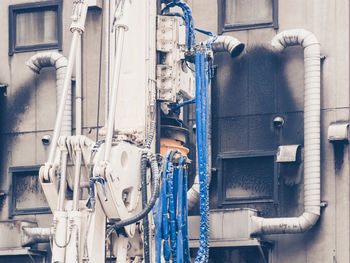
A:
(202, 123)
(172, 216)
(186, 248)
(157, 219)
(178, 106)
(167, 169)
(167, 216)
(190, 34)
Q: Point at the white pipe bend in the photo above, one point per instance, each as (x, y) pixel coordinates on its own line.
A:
(312, 183)
(228, 44)
(54, 59)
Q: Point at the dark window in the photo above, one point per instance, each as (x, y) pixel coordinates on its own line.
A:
(35, 26)
(245, 14)
(247, 177)
(26, 195)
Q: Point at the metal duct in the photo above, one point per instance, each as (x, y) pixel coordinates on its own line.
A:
(33, 235)
(312, 184)
(54, 59)
(229, 44)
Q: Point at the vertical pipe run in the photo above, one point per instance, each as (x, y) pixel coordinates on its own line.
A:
(115, 85)
(312, 179)
(66, 85)
(63, 181)
(78, 126)
(106, 23)
(78, 89)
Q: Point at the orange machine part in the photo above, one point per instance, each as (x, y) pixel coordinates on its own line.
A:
(167, 144)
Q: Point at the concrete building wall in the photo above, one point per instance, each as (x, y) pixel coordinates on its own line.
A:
(31, 99)
(31, 107)
(328, 241)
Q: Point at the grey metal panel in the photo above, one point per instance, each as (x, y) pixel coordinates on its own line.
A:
(233, 134)
(229, 87)
(262, 135)
(292, 132)
(290, 87)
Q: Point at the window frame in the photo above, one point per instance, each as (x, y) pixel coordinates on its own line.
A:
(224, 200)
(222, 27)
(55, 5)
(13, 210)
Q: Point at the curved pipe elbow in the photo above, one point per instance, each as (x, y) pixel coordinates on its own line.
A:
(294, 37)
(54, 59)
(283, 225)
(228, 44)
(46, 59)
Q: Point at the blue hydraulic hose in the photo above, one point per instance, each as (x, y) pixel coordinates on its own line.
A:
(172, 216)
(186, 248)
(206, 122)
(168, 167)
(179, 241)
(190, 34)
(182, 253)
(175, 109)
(202, 119)
(157, 218)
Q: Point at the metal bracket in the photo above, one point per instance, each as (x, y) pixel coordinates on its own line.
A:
(338, 132)
(289, 153)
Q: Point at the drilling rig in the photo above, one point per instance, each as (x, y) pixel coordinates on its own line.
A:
(130, 187)
(125, 197)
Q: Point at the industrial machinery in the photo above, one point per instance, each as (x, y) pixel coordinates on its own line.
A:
(116, 181)
(130, 191)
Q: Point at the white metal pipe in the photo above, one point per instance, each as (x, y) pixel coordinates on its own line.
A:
(63, 181)
(228, 44)
(115, 85)
(76, 189)
(107, 30)
(59, 236)
(54, 59)
(33, 235)
(78, 89)
(312, 183)
(66, 85)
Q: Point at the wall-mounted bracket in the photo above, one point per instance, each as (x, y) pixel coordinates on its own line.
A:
(97, 4)
(289, 154)
(338, 132)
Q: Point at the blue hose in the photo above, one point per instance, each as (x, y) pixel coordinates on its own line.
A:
(190, 34)
(186, 247)
(172, 216)
(160, 215)
(175, 109)
(169, 217)
(168, 169)
(202, 124)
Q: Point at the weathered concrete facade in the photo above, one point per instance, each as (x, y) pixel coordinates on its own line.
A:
(31, 107)
(328, 241)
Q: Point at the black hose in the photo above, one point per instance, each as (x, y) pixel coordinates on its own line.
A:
(149, 206)
(145, 221)
(152, 131)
